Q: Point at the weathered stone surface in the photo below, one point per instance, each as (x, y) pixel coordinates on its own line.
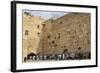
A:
(70, 32)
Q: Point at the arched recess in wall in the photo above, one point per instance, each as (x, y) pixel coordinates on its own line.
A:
(26, 32)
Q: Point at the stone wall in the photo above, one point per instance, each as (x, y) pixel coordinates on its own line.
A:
(31, 33)
(71, 31)
(68, 32)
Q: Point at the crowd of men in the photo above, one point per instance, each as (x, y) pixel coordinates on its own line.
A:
(63, 56)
